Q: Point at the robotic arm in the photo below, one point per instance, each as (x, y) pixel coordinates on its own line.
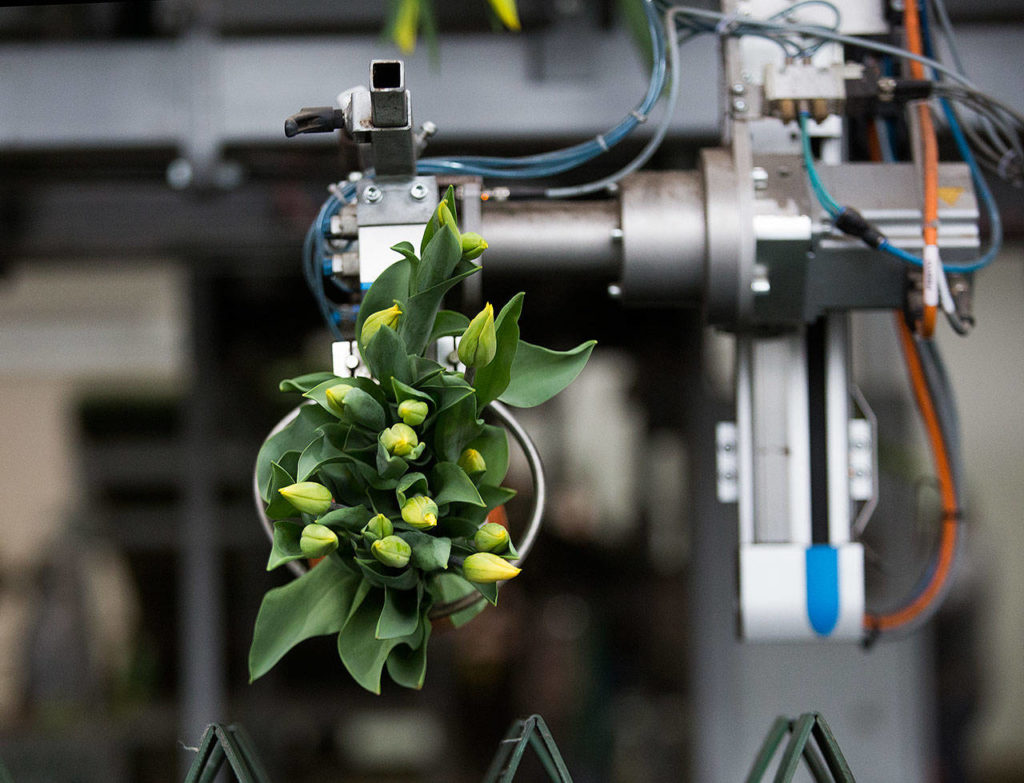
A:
(756, 236)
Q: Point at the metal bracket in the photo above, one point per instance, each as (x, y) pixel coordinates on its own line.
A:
(727, 462)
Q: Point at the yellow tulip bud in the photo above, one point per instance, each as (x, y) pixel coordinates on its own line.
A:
(377, 528)
(420, 512)
(400, 440)
(486, 568)
(472, 461)
(317, 541)
(413, 412)
(473, 245)
(406, 23)
(336, 396)
(308, 497)
(392, 551)
(491, 537)
(507, 13)
(374, 322)
(479, 342)
(446, 218)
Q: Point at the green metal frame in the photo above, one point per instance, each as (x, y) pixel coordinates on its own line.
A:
(826, 761)
(523, 732)
(231, 743)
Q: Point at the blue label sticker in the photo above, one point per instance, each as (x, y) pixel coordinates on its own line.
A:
(823, 588)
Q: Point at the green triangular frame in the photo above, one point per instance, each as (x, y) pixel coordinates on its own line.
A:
(523, 732)
(231, 743)
(830, 769)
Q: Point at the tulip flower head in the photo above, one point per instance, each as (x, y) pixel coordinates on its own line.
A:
(308, 497)
(382, 318)
(420, 512)
(317, 541)
(400, 440)
(377, 528)
(491, 537)
(413, 412)
(487, 568)
(479, 342)
(392, 551)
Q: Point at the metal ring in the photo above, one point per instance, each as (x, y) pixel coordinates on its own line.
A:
(532, 528)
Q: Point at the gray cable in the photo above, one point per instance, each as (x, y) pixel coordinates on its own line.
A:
(814, 31)
(651, 147)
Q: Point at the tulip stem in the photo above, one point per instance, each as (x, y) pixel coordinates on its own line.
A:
(470, 375)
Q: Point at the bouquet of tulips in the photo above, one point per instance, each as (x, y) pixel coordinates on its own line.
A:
(386, 483)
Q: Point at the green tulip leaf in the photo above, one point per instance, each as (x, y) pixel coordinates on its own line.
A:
(488, 591)
(379, 575)
(407, 251)
(411, 484)
(360, 407)
(278, 506)
(286, 543)
(455, 428)
(421, 311)
(318, 453)
(493, 447)
(429, 553)
(400, 615)
(361, 652)
(408, 666)
(538, 374)
(388, 466)
(493, 378)
(390, 286)
(387, 358)
(294, 437)
(431, 227)
(447, 588)
(448, 323)
(351, 519)
(304, 383)
(496, 496)
(344, 481)
(315, 604)
(452, 485)
(461, 526)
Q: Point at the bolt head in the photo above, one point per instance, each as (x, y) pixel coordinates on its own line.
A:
(739, 105)
(372, 194)
(418, 191)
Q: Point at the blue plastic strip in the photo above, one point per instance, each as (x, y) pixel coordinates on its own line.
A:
(822, 588)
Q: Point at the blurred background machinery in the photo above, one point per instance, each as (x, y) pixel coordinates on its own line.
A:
(152, 217)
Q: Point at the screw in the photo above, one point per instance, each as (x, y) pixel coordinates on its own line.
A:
(372, 194)
(616, 234)
(738, 88)
(739, 105)
(418, 191)
(615, 291)
(760, 177)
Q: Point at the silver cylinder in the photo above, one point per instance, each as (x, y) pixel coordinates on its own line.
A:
(564, 237)
(663, 238)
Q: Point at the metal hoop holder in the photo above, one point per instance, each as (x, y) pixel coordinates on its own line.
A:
(503, 414)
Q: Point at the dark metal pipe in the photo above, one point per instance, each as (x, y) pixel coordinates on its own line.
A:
(580, 237)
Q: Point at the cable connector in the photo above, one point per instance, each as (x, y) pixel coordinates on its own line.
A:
(853, 224)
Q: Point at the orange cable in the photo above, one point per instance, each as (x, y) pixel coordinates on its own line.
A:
(929, 158)
(950, 507)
